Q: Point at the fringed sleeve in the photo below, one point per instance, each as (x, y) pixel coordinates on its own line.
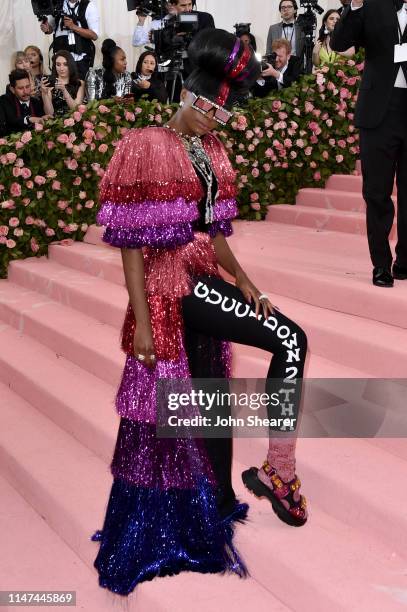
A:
(225, 207)
(149, 192)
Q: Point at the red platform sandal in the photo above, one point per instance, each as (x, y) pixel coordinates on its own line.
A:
(288, 504)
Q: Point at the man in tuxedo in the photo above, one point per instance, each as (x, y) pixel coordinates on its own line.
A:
(287, 28)
(286, 70)
(381, 114)
(19, 111)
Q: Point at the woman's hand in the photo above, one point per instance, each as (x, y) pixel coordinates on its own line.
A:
(144, 345)
(61, 86)
(143, 84)
(252, 294)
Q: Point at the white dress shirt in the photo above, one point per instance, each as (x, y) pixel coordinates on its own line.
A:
(141, 34)
(289, 34)
(402, 17)
(92, 17)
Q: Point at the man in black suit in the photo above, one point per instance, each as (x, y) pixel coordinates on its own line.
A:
(19, 111)
(286, 70)
(381, 114)
(344, 3)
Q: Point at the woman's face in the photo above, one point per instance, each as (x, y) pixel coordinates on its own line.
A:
(332, 21)
(33, 57)
(195, 122)
(61, 66)
(148, 65)
(120, 62)
(245, 40)
(23, 63)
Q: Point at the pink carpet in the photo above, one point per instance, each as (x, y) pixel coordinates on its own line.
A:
(60, 364)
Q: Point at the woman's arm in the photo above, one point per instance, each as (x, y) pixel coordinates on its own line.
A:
(133, 266)
(348, 53)
(316, 58)
(46, 93)
(79, 96)
(228, 261)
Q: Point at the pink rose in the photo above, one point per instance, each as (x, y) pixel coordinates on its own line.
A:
(77, 116)
(308, 151)
(239, 159)
(266, 167)
(71, 164)
(268, 123)
(25, 173)
(3, 230)
(11, 157)
(26, 201)
(309, 107)
(16, 172)
(29, 184)
(26, 137)
(15, 190)
(51, 173)
(40, 195)
(29, 221)
(325, 154)
(269, 152)
(50, 145)
(14, 221)
(40, 180)
(255, 206)
(104, 109)
(70, 122)
(88, 135)
(56, 185)
(300, 143)
(249, 134)
(277, 104)
(11, 244)
(254, 197)
(342, 144)
(82, 195)
(82, 108)
(255, 172)
(63, 138)
(89, 204)
(18, 232)
(293, 154)
(288, 143)
(339, 159)
(242, 122)
(314, 139)
(34, 245)
(49, 232)
(103, 148)
(62, 204)
(317, 176)
(77, 181)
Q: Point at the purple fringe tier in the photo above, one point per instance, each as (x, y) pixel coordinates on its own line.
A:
(147, 214)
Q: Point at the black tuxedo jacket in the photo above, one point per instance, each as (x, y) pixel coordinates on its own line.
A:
(293, 72)
(374, 27)
(11, 120)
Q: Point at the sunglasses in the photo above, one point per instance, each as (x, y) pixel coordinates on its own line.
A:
(204, 106)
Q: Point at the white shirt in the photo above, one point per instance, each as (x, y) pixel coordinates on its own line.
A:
(402, 17)
(92, 17)
(289, 34)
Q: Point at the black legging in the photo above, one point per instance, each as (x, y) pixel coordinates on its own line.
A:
(217, 309)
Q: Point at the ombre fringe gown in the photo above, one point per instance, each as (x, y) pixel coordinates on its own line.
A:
(162, 517)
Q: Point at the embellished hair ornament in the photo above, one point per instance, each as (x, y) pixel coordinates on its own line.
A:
(237, 73)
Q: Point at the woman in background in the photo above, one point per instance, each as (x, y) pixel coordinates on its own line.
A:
(322, 53)
(112, 80)
(147, 80)
(36, 60)
(63, 90)
(20, 61)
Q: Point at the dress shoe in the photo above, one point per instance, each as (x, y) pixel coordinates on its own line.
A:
(382, 277)
(399, 272)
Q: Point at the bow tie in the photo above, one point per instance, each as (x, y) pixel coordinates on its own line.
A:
(288, 25)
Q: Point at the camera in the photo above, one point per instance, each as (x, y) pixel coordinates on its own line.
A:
(145, 8)
(270, 58)
(43, 8)
(242, 28)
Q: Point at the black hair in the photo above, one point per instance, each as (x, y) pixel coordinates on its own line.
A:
(72, 67)
(142, 58)
(293, 2)
(209, 53)
(17, 75)
(253, 42)
(322, 36)
(109, 50)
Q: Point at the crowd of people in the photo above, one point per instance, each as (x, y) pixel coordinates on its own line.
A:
(33, 96)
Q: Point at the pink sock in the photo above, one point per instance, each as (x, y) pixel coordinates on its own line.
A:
(281, 455)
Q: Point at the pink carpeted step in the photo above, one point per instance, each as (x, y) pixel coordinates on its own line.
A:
(72, 496)
(98, 260)
(33, 557)
(345, 182)
(331, 199)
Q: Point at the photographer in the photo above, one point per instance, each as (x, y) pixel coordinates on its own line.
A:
(284, 71)
(143, 33)
(287, 28)
(75, 30)
(19, 110)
